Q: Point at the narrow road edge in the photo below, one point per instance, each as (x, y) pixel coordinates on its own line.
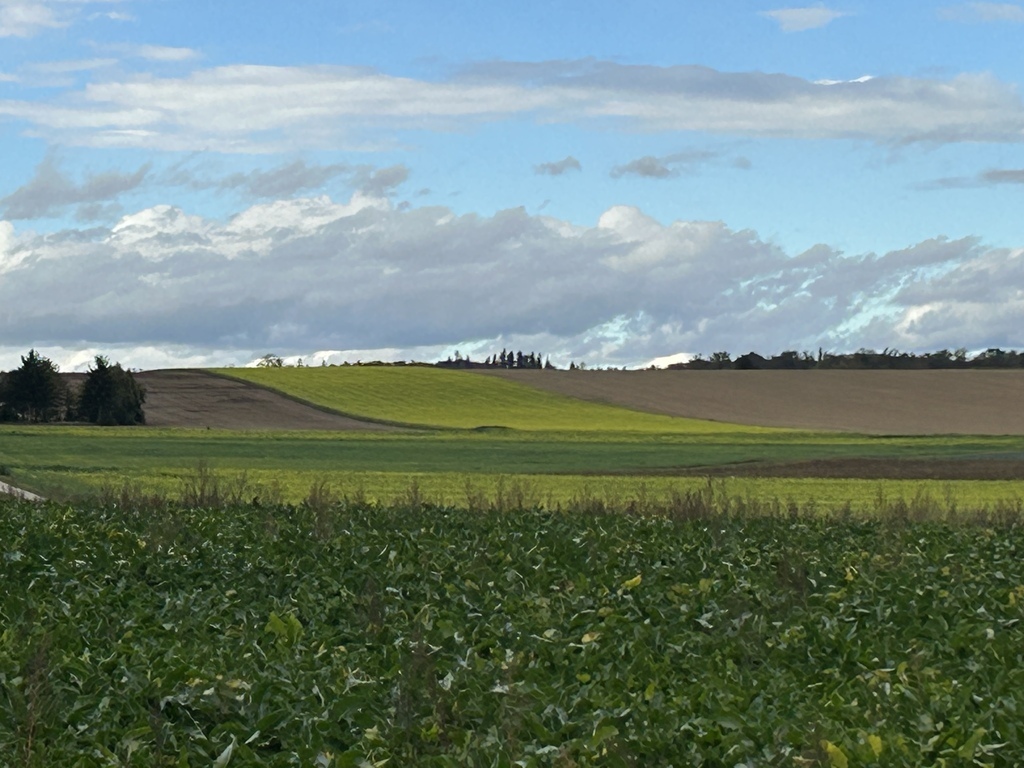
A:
(18, 493)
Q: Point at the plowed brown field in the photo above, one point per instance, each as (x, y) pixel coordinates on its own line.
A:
(185, 398)
(972, 402)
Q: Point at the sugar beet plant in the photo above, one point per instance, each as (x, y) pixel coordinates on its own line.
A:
(334, 635)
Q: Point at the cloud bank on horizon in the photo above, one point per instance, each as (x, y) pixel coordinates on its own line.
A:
(387, 183)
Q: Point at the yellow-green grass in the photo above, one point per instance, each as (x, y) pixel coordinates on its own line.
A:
(615, 493)
(440, 398)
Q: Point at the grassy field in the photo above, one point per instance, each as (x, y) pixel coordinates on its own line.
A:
(434, 397)
(489, 441)
(450, 467)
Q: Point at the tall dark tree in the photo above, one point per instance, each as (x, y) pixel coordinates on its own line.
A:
(35, 391)
(111, 395)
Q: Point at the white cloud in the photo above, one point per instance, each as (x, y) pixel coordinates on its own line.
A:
(25, 18)
(311, 274)
(802, 19)
(164, 53)
(67, 67)
(984, 12)
(272, 109)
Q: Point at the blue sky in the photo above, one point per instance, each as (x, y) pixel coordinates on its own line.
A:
(196, 183)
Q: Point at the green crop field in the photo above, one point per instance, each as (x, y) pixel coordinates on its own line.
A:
(353, 635)
(522, 579)
(540, 468)
(434, 397)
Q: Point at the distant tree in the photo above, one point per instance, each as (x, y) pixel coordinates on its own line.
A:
(35, 391)
(721, 359)
(111, 395)
(270, 361)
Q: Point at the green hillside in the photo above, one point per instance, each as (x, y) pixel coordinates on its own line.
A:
(435, 397)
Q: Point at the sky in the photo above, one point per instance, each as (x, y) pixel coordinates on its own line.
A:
(195, 184)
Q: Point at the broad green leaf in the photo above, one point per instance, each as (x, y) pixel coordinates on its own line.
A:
(836, 756)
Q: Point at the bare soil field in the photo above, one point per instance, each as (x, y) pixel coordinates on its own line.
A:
(864, 469)
(966, 402)
(189, 398)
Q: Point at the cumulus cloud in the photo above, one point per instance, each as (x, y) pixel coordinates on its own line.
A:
(984, 12)
(50, 191)
(314, 274)
(255, 109)
(559, 167)
(802, 19)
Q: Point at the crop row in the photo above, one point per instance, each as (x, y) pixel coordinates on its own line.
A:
(335, 634)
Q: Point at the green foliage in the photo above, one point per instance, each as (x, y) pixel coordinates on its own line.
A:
(433, 397)
(111, 396)
(356, 635)
(34, 392)
(451, 467)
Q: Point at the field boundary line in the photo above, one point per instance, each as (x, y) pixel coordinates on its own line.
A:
(322, 408)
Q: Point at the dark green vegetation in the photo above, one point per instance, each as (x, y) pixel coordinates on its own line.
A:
(887, 359)
(331, 635)
(35, 392)
(110, 395)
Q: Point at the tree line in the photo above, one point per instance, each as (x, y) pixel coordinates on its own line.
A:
(862, 358)
(506, 359)
(36, 392)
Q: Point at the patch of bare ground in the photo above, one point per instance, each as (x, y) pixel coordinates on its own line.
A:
(192, 398)
(864, 468)
(928, 402)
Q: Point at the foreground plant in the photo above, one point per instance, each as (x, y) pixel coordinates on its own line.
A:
(335, 634)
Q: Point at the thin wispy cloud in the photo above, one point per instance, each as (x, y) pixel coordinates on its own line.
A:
(24, 18)
(984, 13)
(803, 19)
(559, 167)
(990, 178)
(668, 166)
(51, 191)
(275, 109)
(28, 18)
(160, 52)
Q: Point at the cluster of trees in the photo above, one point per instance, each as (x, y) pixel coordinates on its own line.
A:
(36, 392)
(506, 359)
(862, 358)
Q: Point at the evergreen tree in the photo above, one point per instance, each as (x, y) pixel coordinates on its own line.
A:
(111, 395)
(35, 391)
